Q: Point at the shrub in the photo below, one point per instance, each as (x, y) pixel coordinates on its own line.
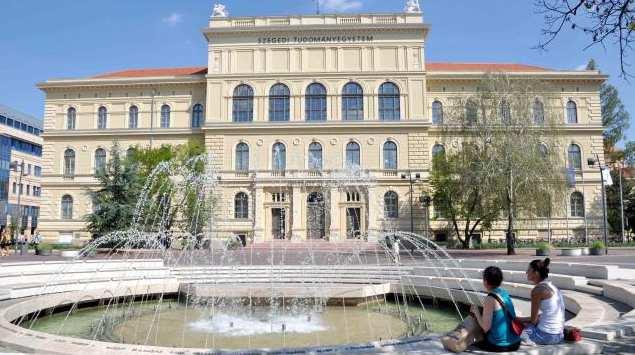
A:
(543, 246)
(598, 244)
(45, 247)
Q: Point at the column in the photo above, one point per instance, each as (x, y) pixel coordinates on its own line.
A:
(259, 214)
(335, 230)
(373, 227)
(298, 229)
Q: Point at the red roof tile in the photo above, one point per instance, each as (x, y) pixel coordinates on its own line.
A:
(432, 67)
(483, 67)
(144, 73)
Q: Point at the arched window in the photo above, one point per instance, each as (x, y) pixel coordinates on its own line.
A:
(315, 102)
(67, 207)
(133, 117)
(577, 204)
(243, 103)
(165, 116)
(315, 156)
(438, 150)
(505, 112)
(352, 102)
(197, 116)
(100, 160)
(391, 205)
(279, 107)
(471, 112)
(389, 102)
(352, 155)
(437, 112)
(572, 112)
(390, 156)
(102, 118)
(241, 206)
(71, 116)
(539, 112)
(242, 157)
(69, 163)
(575, 157)
(279, 157)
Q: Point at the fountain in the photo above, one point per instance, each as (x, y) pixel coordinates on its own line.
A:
(224, 296)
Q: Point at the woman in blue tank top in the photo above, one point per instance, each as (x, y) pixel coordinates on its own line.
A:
(497, 326)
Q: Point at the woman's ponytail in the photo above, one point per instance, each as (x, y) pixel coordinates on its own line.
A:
(541, 267)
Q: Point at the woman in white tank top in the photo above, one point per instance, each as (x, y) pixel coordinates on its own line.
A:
(545, 326)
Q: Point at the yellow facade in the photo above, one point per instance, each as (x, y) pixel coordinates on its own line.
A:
(298, 51)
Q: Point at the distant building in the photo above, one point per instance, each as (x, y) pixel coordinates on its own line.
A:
(20, 143)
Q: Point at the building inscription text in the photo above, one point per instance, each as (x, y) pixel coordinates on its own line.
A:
(315, 39)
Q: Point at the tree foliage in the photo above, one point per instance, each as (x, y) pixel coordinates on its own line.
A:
(114, 202)
(169, 203)
(457, 179)
(615, 119)
(508, 141)
(613, 206)
(603, 21)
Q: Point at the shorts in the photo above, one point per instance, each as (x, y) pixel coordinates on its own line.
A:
(537, 336)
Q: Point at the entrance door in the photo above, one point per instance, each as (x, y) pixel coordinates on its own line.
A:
(316, 216)
(278, 223)
(353, 223)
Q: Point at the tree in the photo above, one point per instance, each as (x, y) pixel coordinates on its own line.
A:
(615, 118)
(603, 21)
(613, 206)
(175, 192)
(510, 124)
(115, 201)
(458, 196)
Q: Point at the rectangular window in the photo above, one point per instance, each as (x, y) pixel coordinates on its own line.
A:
(37, 170)
(3, 120)
(28, 190)
(21, 188)
(28, 170)
(15, 188)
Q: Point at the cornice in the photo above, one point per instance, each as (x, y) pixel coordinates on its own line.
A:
(125, 132)
(306, 126)
(301, 28)
(548, 75)
(343, 75)
(121, 82)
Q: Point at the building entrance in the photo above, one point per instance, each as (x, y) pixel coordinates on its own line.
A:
(316, 216)
(278, 223)
(353, 223)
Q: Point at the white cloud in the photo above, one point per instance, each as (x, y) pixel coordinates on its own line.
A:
(173, 20)
(340, 5)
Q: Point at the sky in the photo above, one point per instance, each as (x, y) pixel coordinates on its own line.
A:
(43, 39)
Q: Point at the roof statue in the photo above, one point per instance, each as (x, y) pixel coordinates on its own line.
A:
(412, 7)
(220, 10)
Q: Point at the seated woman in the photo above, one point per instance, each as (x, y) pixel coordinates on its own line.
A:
(546, 324)
(495, 322)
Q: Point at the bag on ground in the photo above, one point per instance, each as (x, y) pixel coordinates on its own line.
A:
(466, 334)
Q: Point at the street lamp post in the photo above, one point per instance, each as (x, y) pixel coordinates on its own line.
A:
(425, 200)
(592, 162)
(411, 179)
(622, 203)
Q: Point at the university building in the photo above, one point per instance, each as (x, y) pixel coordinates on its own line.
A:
(320, 127)
(20, 153)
